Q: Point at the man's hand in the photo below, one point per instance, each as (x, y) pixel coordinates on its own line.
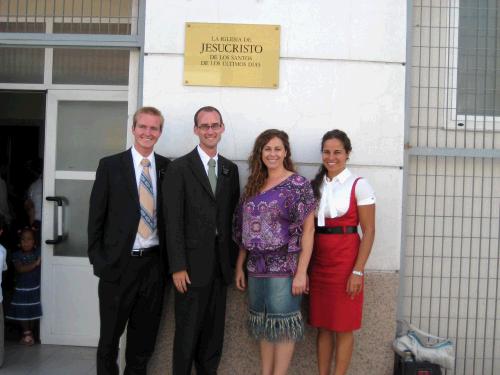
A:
(181, 281)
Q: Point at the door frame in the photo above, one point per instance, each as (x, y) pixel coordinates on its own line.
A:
(132, 94)
(52, 265)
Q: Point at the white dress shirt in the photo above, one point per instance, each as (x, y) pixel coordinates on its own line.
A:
(336, 195)
(35, 194)
(205, 158)
(137, 158)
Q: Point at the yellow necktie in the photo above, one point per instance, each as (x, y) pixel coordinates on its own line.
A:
(147, 223)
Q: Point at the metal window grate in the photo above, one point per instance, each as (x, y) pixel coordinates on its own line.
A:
(112, 17)
(451, 257)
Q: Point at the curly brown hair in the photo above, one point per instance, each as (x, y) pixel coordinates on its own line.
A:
(258, 170)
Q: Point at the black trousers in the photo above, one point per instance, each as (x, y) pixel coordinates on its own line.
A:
(200, 315)
(137, 299)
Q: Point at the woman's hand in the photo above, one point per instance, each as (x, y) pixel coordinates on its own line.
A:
(354, 285)
(239, 275)
(240, 279)
(300, 284)
(367, 221)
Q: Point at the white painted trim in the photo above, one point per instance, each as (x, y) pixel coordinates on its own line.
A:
(74, 341)
(70, 261)
(63, 92)
(452, 119)
(48, 65)
(88, 87)
(23, 86)
(133, 91)
(135, 16)
(52, 264)
(72, 19)
(75, 175)
(89, 95)
(42, 87)
(48, 217)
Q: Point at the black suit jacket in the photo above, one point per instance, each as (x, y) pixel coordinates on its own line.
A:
(194, 216)
(114, 214)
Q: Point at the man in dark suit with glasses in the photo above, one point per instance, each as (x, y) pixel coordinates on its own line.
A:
(200, 198)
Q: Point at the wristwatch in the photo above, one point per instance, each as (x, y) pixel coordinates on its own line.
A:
(357, 273)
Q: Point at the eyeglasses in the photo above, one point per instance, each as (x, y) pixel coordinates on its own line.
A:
(205, 127)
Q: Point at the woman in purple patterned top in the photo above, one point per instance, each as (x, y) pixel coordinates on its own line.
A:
(274, 226)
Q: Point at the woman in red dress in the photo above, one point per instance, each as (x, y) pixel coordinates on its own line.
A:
(339, 256)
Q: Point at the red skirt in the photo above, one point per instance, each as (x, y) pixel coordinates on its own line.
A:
(330, 307)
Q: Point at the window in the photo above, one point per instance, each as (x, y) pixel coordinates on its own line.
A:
(473, 100)
(478, 58)
(112, 17)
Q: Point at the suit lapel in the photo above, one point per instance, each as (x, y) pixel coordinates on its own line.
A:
(222, 170)
(199, 171)
(129, 172)
(159, 171)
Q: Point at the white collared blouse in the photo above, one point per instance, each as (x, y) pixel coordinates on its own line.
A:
(336, 195)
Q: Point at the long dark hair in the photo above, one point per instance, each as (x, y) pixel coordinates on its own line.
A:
(346, 142)
(258, 170)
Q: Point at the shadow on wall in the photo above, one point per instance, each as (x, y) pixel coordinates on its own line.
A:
(372, 353)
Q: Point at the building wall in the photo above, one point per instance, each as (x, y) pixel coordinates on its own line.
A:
(341, 66)
(372, 346)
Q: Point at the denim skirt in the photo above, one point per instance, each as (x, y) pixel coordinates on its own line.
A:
(274, 313)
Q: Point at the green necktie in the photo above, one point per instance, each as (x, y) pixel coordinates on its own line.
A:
(211, 174)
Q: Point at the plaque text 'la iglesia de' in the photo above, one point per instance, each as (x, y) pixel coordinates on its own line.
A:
(231, 55)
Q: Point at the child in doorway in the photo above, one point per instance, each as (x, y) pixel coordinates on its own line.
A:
(26, 306)
(3, 267)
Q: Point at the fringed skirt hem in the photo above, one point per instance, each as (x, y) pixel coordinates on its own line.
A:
(276, 327)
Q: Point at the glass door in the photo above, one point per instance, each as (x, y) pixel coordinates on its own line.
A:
(82, 126)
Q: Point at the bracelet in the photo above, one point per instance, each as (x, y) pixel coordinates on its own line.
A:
(357, 273)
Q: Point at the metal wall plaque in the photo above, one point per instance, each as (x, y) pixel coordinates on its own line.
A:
(238, 55)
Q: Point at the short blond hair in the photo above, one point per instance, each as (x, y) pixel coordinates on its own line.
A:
(149, 111)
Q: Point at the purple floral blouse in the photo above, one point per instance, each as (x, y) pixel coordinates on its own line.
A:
(269, 226)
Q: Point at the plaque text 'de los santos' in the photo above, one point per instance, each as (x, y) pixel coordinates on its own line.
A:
(231, 55)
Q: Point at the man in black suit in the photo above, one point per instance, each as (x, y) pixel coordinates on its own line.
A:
(126, 246)
(201, 196)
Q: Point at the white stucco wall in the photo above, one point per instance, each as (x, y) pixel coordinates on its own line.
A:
(341, 66)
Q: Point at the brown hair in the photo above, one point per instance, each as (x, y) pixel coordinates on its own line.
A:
(149, 111)
(346, 142)
(207, 108)
(258, 170)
